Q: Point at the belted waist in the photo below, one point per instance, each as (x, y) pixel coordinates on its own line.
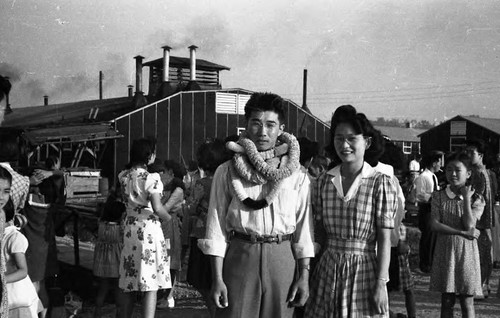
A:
(259, 239)
(350, 246)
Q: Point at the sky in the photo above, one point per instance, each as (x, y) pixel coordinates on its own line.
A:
(422, 59)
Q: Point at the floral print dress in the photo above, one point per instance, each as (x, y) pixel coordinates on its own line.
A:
(144, 261)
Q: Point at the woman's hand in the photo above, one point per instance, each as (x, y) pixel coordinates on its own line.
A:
(380, 300)
(471, 234)
(467, 191)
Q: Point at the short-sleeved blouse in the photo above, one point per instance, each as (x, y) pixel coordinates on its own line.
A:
(342, 282)
(14, 242)
(137, 185)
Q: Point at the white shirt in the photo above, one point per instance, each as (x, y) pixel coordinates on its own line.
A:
(414, 165)
(289, 213)
(424, 186)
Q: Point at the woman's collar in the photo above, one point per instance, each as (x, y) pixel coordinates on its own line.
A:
(451, 194)
(366, 171)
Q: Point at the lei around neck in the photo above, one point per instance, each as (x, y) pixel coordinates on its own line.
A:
(271, 166)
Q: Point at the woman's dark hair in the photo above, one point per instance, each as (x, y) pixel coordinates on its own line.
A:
(5, 174)
(157, 167)
(51, 161)
(141, 151)
(347, 114)
(178, 170)
(393, 155)
(9, 206)
(9, 210)
(211, 155)
(308, 149)
(463, 157)
(113, 210)
(266, 102)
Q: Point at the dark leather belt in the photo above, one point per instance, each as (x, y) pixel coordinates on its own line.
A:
(259, 239)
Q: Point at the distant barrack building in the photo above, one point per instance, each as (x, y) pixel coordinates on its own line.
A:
(183, 107)
(407, 138)
(452, 134)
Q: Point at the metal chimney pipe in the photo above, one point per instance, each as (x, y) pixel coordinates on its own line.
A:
(130, 90)
(304, 90)
(45, 100)
(138, 73)
(100, 84)
(166, 61)
(192, 59)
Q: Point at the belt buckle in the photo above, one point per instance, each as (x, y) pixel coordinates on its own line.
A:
(253, 238)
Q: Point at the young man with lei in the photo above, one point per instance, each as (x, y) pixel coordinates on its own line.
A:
(259, 224)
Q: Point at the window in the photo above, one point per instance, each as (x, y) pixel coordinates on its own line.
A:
(457, 143)
(458, 128)
(228, 103)
(407, 147)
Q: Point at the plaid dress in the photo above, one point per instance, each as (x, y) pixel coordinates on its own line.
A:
(344, 277)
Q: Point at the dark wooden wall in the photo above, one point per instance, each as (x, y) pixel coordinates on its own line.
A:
(182, 122)
(438, 138)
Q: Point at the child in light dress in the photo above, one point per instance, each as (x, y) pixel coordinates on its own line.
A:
(23, 298)
(454, 212)
(107, 253)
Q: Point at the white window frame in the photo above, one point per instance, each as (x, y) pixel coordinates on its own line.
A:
(407, 145)
(457, 142)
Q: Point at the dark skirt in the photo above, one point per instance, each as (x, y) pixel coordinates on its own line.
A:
(199, 272)
(41, 255)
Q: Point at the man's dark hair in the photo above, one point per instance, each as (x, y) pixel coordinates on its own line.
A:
(478, 144)
(266, 102)
(429, 159)
(9, 148)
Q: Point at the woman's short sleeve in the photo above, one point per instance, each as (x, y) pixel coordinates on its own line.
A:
(16, 243)
(153, 184)
(386, 201)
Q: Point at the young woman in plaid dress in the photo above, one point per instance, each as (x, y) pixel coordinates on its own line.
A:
(354, 206)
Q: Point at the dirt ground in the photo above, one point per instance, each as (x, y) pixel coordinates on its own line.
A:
(189, 303)
(428, 303)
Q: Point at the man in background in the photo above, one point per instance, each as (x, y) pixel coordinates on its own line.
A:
(425, 184)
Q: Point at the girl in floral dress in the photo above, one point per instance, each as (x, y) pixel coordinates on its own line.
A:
(144, 262)
(454, 213)
(355, 205)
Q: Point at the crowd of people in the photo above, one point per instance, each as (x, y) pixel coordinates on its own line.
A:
(271, 225)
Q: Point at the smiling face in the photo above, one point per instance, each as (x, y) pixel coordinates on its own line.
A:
(349, 145)
(4, 192)
(263, 128)
(457, 173)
